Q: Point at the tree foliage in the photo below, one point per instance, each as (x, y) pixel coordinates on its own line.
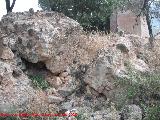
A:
(95, 14)
(91, 14)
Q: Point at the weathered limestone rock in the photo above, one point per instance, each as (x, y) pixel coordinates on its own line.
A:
(68, 88)
(45, 36)
(106, 115)
(15, 91)
(18, 61)
(140, 65)
(64, 84)
(51, 38)
(124, 45)
(87, 113)
(152, 57)
(74, 63)
(55, 99)
(101, 74)
(132, 112)
(6, 54)
(110, 63)
(5, 70)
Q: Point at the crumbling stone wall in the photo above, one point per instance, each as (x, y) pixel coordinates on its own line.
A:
(129, 23)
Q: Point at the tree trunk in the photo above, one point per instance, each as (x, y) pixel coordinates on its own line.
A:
(151, 37)
(13, 3)
(148, 19)
(8, 7)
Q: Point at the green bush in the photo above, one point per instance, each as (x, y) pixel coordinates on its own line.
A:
(80, 117)
(153, 113)
(142, 88)
(91, 14)
(39, 82)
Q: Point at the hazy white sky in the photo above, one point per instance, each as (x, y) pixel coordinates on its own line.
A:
(20, 6)
(24, 5)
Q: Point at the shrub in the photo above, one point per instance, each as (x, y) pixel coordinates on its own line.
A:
(39, 82)
(142, 89)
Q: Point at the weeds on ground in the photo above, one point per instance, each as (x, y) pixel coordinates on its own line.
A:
(142, 89)
(80, 117)
(153, 113)
(39, 82)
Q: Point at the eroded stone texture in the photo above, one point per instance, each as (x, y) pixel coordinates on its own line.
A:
(75, 64)
(128, 22)
(132, 112)
(45, 36)
(15, 91)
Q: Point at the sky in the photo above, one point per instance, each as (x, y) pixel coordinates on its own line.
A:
(155, 21)
(20, 6)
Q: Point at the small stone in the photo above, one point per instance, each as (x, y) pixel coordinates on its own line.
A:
(58, 81)
(7, 54)
(62, 79)
(140, 65)
(62, 111)
(68, 78)
(64, 93)
(132, 112)
(88, 97)
(53, 108)
(51, 91)
(30, 33)
(17, 72)
(88, 89)
(94, 92)
(64, 74)
(55, 99)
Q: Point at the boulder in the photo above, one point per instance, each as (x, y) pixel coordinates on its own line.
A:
(15, 91)
(140, 65)
(6, 54)
(101, 73)
(54, 99)
(73, 63)
(132, 112)
(49, 37)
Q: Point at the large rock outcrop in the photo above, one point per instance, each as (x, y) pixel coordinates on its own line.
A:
(110, 62)
(15, 91)
(45, 36)
(73, 61)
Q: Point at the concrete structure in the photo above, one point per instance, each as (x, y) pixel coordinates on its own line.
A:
(129, 23)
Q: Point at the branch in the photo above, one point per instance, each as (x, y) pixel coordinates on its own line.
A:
(151, 2)
(144, 7)
(13, 3)
(156, 34)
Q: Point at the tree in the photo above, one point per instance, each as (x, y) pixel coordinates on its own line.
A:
(8, 7)
(155, 12)
(145, 9)
(91, 14)
(151, 10)
(95, 14)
